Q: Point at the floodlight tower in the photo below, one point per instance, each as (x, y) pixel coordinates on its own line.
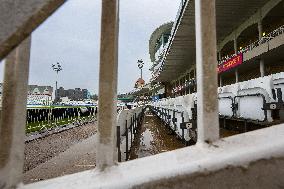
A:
(140, 66)
(57, 68)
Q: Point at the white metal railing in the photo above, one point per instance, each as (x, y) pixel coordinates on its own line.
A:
(255, 44)
(160, 52)
(157, 63)
(179, 114)
(182, 4)
(159, 68)
(184, 167)
(128, 123)
(184, 86)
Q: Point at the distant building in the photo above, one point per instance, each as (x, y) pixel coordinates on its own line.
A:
(65, 100)
(73, 94)
(37, 95)
(139, 83)
(86, 94)
(41, 95)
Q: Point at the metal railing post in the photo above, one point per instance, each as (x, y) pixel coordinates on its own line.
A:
(106, 146)
(206, 66)
(126, 140)
(118, 143)
(182, 131)
(131, 129)
(135, 128)
(13, 115)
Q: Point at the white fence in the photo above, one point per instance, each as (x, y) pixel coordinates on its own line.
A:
(179, 114)
(128, 122)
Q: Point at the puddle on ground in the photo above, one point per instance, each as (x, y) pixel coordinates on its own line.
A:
(154, 138)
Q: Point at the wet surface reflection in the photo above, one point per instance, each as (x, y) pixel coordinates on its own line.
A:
(154, 138)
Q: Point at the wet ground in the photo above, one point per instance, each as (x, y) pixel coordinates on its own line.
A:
(154, 138)
(73, 150)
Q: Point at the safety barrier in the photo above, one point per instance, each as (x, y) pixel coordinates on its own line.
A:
(264, 39)
(179, 114)
(128, 122)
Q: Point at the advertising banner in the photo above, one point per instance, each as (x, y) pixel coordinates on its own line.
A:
(231, 63)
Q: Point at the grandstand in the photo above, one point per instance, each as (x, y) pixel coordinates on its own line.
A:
(250, 54)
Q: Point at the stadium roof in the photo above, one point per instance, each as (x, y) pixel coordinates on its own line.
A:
(165, 28)
(181, 50)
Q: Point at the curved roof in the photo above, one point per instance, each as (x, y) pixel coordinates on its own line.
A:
(180, 54)
(165, 28)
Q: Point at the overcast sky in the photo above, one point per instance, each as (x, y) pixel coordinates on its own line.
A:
(71, 37)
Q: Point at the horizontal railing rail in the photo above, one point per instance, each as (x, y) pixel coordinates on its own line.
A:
(255, 44)
(168, 45)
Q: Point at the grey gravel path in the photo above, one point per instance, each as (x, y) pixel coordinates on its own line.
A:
(41, 150)
(79, 157)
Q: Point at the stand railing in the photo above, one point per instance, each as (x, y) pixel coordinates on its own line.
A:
(255, 44)
(129, 122)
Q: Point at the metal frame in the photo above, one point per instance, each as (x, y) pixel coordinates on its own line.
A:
(13, 115)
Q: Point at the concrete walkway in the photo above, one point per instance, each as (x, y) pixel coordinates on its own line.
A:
(78, 157)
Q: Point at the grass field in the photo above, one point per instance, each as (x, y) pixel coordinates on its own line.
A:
(56, 106)
(37, 126)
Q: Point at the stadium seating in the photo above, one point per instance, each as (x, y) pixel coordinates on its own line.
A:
(253, 100)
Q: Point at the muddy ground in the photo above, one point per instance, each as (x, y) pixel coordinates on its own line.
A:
(154, 138)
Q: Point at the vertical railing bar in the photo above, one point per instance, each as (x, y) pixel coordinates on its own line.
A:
(206, 66)
(118, 144)
(13, 115)
(131, 128)
(135, 125)
(182, 131)
(126, 144)
(106, 145)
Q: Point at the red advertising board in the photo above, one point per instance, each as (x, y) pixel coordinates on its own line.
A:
(231, 63)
